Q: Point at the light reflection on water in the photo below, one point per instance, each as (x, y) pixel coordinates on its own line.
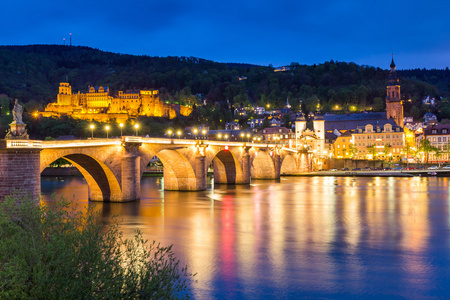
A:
(299, 236)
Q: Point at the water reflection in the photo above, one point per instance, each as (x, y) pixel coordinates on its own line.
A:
(297, 237)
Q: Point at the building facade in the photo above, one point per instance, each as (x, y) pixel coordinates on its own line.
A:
(98, 104)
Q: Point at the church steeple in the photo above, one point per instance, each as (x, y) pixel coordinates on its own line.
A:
(393, 78)
(392, 63)
(394, 106)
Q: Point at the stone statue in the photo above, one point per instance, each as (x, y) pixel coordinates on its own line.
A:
(17, 113)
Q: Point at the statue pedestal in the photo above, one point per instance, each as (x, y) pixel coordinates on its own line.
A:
(17, 131)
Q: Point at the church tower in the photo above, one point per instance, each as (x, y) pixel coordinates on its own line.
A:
(394, 106)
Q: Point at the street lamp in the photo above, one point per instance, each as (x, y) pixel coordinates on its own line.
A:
(169, 133)
(107, 130)
(92, 130)
(179, 133)
(121, 127)
(204, 133)
(137, 127)
(248, 137)
(226, 136)
(219, 136)
(195, 133)
(242, 135)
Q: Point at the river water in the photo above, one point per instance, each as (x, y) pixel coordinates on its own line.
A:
(313, 237)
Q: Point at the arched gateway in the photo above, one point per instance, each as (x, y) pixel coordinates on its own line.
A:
(113, 167)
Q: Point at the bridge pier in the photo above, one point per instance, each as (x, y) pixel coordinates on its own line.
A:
(246, 166)
(200, 172)
(130, 175)
(20, 168)
(277, 164)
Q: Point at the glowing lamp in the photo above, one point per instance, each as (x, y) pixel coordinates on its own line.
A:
(226, 147)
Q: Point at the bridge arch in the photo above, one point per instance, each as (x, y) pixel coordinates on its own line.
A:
(179, 174)
(103, 185)
(263, 165)
(227, 168)
(288, 164)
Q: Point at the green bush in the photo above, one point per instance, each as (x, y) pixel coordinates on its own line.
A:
(60, 253)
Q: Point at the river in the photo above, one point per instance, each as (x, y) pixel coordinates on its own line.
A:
(313, 237)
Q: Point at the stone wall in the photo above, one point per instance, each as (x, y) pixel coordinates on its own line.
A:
(19, 171)
(354, 163)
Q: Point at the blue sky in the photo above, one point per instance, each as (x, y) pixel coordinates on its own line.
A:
(259, 32)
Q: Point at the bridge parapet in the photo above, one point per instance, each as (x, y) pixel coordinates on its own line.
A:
(23, 144)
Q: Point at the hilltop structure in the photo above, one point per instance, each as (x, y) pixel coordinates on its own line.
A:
(97, 104)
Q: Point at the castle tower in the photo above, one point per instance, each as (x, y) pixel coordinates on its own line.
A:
(394, 106)
(65, 94)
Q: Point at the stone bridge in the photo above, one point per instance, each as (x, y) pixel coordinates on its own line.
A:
(113, 167)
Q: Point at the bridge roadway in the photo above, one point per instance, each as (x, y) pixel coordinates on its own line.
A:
(113, 167)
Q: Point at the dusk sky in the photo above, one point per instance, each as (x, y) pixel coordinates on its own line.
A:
(258, 32)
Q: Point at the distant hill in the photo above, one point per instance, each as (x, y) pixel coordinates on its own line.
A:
(32, 74)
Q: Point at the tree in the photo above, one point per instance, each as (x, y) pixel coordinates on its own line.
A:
(4, 105)
(352, 151)
(378, 104)
(386, 150)
(426, 147)
(57, 252)
(372, 150)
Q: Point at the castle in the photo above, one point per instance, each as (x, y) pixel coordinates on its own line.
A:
(97, 104)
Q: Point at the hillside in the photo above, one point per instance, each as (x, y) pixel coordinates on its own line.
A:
(32, 74)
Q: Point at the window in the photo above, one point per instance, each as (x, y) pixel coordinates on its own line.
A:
(444, 130)
(444, 139)
(434, 131)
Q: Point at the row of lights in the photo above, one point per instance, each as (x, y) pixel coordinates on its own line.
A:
(170, 132)
(107, 128)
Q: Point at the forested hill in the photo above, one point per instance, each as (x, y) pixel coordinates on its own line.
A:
(32, 73)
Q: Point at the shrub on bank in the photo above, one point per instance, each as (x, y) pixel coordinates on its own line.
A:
(60, 253)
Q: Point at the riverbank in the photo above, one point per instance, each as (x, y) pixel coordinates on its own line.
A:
(391, 173)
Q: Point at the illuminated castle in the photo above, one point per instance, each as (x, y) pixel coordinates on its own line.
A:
(97, 104)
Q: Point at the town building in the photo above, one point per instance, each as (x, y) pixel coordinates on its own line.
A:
(439, 137)
(276, 135)
(366, 135)
(254, 123)
(233, 126)
(383, 140)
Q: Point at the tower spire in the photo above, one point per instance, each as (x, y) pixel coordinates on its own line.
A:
(392, 62)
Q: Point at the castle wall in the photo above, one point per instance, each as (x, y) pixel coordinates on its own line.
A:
(98, 105)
